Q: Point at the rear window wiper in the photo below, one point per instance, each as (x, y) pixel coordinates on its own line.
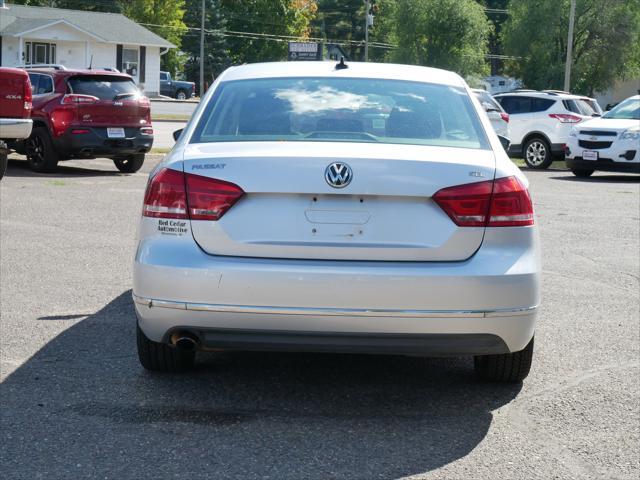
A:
(123, 95)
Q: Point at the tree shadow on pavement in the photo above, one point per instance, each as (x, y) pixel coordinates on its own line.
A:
(82, 407)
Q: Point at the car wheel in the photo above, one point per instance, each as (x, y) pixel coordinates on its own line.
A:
(537, 153)
(506, 367)
(159, 357)
(41, 154)
(130, 164)
(3, 164)
(181, 95)
(582, 173)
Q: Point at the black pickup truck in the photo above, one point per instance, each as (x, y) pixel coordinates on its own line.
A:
(175, 88)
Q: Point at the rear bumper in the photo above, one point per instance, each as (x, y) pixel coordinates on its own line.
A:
(179, 287)
(604, 164)
(15, 128)
(95, 143)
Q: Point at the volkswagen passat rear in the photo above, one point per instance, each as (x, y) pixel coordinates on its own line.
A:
(368, 209)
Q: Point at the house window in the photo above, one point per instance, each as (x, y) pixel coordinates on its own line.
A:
(38, 53)
(130, 61)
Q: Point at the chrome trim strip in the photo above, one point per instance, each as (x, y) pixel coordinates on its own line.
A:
(339, 312)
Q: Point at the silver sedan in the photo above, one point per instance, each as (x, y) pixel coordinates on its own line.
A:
(359, 207)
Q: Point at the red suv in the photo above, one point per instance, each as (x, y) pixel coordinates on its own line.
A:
(87, 114)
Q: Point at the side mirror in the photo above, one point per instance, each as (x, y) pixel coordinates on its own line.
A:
(505, 142)
(177, 133)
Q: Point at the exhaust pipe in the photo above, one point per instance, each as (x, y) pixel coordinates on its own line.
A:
(184, 341)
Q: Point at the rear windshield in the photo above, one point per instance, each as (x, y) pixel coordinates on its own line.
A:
(627, 110)
(578, 106)
(105, 87)
(488, 102)
(340, 110)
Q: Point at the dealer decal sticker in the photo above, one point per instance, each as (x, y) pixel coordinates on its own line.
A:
(172, 227)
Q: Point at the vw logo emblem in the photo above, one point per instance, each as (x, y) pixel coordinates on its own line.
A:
(338, 175)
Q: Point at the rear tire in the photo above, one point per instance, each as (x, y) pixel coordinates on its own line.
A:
(506, 367)
(181, 95)
(130, 164)
(3, 164)
(582, 173)
(41, 154)
(158, 357)
(537, 153)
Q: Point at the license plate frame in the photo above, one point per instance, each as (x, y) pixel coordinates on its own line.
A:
(115, 132)
(589, 155)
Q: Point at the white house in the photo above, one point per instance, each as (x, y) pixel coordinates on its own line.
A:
(77, 39)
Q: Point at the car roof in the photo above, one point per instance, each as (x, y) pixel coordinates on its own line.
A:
(538, 94)
(355, 70)
(68, 73)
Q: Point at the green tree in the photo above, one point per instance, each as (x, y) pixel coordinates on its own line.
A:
(216, 49)
(450, 34)
(606, 42)
(342, 20)
(163, 17)
(270, 17)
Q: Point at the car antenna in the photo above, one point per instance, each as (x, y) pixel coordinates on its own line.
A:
(91, 62)
(341, 65)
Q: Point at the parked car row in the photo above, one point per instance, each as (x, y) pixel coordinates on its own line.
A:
(547, 125)
(75, 114)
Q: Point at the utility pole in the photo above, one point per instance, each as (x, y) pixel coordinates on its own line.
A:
(202, 52)
(567, 65)
(366, 30)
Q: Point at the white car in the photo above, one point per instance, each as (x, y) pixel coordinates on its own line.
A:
(540, 122)
(338, 208)
(497, 116)
(610, 143)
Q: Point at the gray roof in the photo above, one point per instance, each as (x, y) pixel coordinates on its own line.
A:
(108, 27)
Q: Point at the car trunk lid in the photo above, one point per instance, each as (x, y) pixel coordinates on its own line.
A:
(385, 213)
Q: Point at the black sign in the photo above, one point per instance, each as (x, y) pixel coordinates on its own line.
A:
(305, 51)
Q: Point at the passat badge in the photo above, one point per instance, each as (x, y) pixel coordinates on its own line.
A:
(338, 175)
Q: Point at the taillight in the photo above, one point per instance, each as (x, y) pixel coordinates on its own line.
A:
(511, 204)
(505, 116)
(145, 105)
(173, 194)
(504, 202)
(73, 98)
(27, 95)
(565, 117)
(467, 205)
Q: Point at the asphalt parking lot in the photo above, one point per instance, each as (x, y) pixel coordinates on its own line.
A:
(76, 404)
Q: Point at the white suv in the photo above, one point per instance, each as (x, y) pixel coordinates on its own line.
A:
(610, 143)
(540, 122)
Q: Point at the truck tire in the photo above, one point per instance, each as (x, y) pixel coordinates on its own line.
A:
(537, 153)
(506, 367)
(158, 357)
(3, 164)
(41, 153)
(130, 164)
(181, 95)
